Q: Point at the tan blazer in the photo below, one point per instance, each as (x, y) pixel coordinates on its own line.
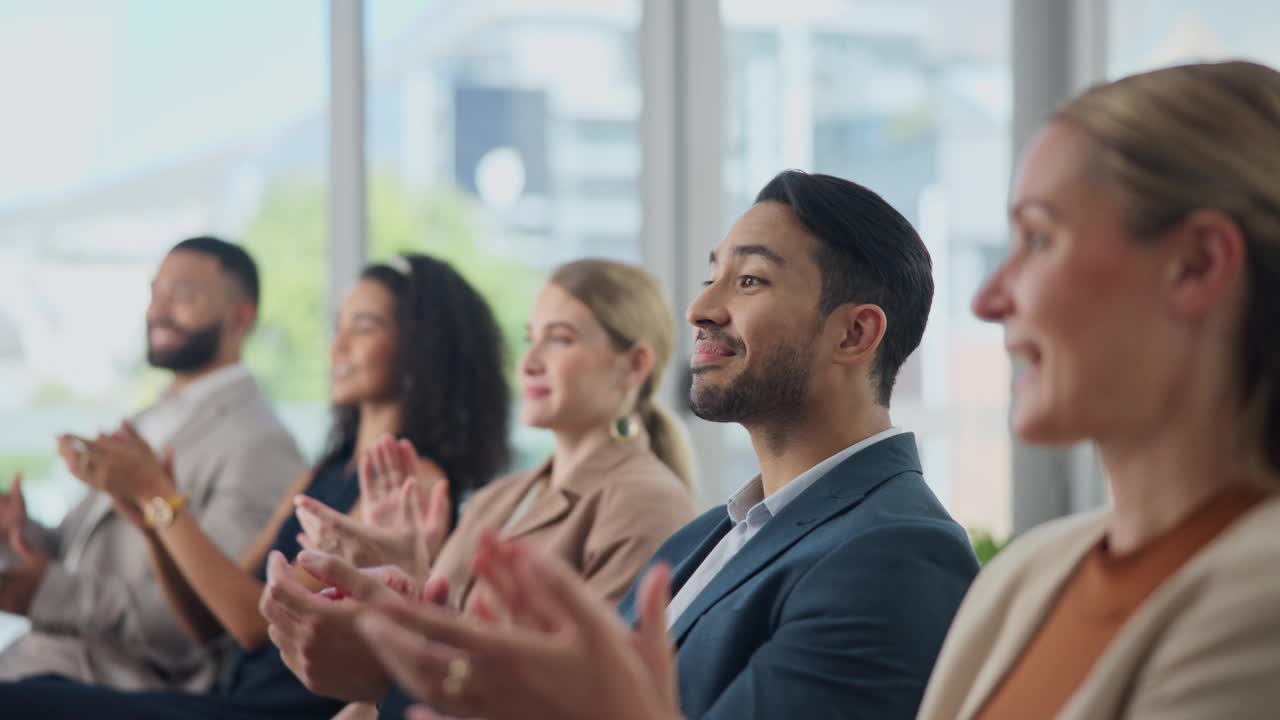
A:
(605, 519)
(1205, 645)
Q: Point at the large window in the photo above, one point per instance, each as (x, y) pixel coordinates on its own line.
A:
(504, 137)
(1146, 34)
(127, 126)
(911, 99)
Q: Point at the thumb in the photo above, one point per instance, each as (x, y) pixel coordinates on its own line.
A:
(129, 430)
(435, 591)
(167, 462)
(15, 491)
(435, 513)
(652, 638)
(335, 571)
(20, 546)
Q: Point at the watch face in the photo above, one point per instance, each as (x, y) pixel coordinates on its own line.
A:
(158, 513)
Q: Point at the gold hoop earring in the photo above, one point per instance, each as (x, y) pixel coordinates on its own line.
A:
(624, 428)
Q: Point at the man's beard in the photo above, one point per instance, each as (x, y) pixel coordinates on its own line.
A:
(775, 389)
(197, 351)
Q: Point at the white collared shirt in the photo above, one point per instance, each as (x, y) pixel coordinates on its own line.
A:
(749, 510)
(159, 423)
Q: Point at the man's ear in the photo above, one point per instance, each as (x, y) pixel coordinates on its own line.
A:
(1206, 262)
(859, 330)
(246, 315)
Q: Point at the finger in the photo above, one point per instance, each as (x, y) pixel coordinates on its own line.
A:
(168, 461)
(306, 543)
(311, 524)
(395, 580)
(15, 486)
(418, 666)
(441, 625)
(333, 570)
(379, 477)
(283, 593)
(652, 637)
(408, 456)
(128, 429)
(324, 515)
(365, 471)
(420, 546)
(20, 547)
(423, 712)
(563, 584)
(390, 475)
(132, 435)
(534, 607)
(503, 587)
(483, 610)
(436, 515)
(435, 591)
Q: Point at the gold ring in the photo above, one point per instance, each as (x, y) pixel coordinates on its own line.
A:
(456, 676)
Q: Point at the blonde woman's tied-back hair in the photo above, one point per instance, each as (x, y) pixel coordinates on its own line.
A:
(630, 306)
(1203, 136)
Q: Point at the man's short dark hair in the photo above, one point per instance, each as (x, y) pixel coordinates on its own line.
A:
(235, 261)
(867, 253)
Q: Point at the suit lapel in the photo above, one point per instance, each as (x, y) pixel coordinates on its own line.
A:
(834, 493)
(683, 564)
(681, 573)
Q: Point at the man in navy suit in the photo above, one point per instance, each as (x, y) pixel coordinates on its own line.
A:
(826, 585)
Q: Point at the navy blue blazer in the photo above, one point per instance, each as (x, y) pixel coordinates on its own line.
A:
(836, 608)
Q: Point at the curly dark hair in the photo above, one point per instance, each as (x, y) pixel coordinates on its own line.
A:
(449, 362)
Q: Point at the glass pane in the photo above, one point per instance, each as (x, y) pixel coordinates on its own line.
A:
(504, 137)
(128, 126)
(1146, 34)
(911, 99)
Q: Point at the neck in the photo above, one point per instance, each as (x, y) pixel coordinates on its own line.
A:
(377, 419)
(1159, 478)
(182, 380)
(573, 447)
(811, 437)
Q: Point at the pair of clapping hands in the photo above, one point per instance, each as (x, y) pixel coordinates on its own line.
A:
(541, 644)
(121, 464)
(399, 521)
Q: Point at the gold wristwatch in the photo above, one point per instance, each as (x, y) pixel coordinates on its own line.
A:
(160, 512)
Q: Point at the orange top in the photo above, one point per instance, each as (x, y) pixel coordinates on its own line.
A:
(1096, 601)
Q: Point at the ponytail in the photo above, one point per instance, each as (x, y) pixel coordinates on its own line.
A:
(667, 440)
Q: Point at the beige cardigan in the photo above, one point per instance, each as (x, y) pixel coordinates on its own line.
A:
(1205, 645)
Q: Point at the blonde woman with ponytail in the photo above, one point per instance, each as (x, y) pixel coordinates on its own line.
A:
(618, 482)
(1142, 295)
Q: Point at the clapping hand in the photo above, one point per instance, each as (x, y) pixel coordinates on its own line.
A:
(315, 632)
(552, 650)
(399, 523)
(18, 581)
(13, 508)
(123, 465)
